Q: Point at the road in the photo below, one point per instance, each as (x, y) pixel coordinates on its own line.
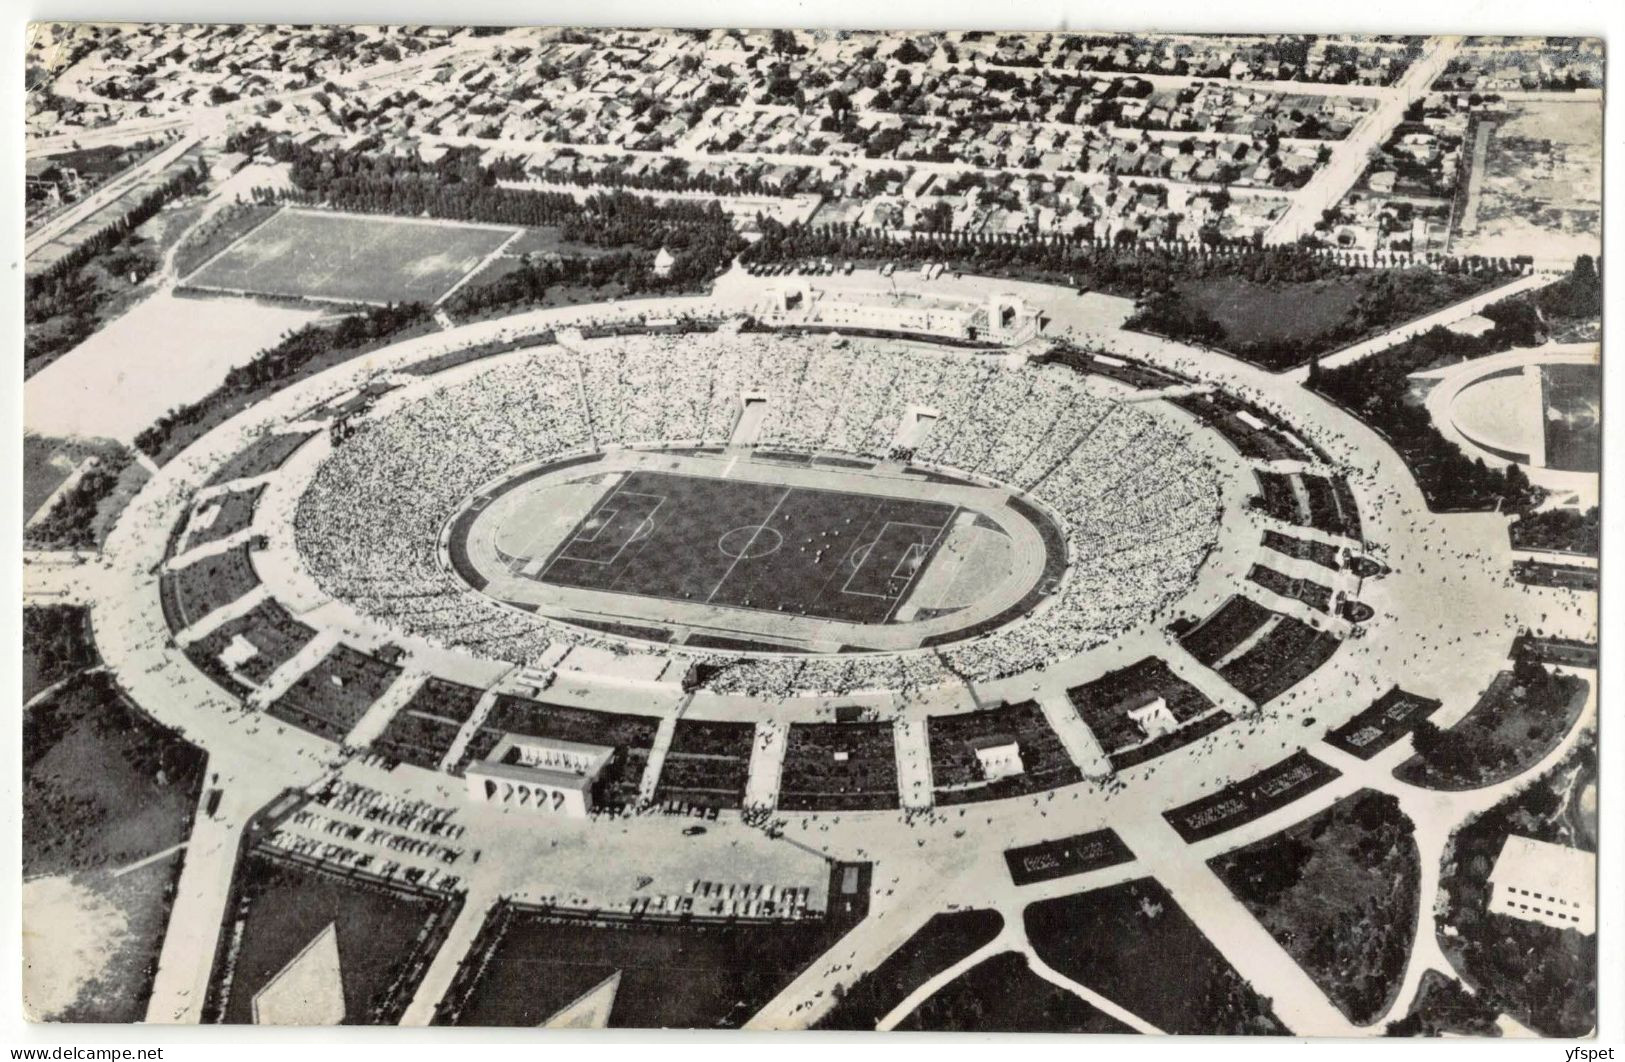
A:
(1331, 182)
(153, 164)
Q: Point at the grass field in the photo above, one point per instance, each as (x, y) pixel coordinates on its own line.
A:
(384, 934)
(849, 557)
(347, 258)
(1339, 892)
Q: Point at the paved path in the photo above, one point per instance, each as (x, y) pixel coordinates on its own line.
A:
(1447, 316)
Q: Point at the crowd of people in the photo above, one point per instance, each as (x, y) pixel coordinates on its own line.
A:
(1137, 501)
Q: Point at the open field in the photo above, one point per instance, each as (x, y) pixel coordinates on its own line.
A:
(1002, 994)
(1339, 891)
(282, 905)
(306, 254)
(1134, 945)
(815, 552)
(1541, 182)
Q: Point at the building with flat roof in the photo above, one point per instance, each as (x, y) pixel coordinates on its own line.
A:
(546, 775)
(1552, 884)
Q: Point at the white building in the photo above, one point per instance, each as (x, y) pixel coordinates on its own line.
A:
(1000, 758)
(546, 775)
(1547, 883)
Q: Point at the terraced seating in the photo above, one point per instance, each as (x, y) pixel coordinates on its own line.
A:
(268, 629)
(1234, 622)
(423, 731)
(839, 767)
(1105, 704)
(1287, 654)
(707, 763)
(330, 698)
(1311, 593)
(191, 593)
(631, 736)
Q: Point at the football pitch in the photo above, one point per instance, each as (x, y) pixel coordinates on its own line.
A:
(797, 550)
(349, 258)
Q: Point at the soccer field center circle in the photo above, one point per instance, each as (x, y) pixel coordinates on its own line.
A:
(750, 542)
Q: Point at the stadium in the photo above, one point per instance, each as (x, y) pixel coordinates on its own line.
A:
(690, 560)
(950, 531)
(742, 512)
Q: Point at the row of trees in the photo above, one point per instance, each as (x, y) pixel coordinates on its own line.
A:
(458, 186)
(39, 289)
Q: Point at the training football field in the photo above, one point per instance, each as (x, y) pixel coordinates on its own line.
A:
(798, 550)
(313, 254)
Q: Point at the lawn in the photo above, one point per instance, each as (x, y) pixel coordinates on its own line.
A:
(693, 974)
(386, 933)
(1521, 717)
(56, 643)
(946, 939)
(1278, 324)
(1258, 313)
(1003, 995)
(1134, 945)
(847, 557)
(104, 787)
(1339, 892)
(351, 258)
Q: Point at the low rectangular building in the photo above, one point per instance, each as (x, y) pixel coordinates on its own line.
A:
(547, 775)
(1552, 884)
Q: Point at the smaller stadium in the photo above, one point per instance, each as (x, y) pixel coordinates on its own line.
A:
(350, 258)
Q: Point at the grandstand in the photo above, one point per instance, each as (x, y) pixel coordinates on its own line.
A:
(631, 736)
(222, 516)
(839, 767)
(1137, 705)
(191, 593)
(241, 653)
(423, 731)
(993, 753)
(1286, 655)
(1237, 620)
(330, 698)
(707, 764)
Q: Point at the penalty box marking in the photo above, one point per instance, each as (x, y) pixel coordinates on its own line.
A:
(926, 547)
(564, 554)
